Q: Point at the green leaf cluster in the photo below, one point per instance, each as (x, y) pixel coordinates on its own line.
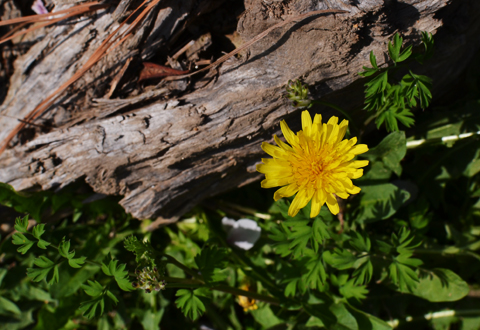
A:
(21, 226)
(402, 269)
(296, 236)
(64, 250)
(96, 305)
(393, 102)
(119, 273)
(144, 253)
(212, 262)
(190, 302)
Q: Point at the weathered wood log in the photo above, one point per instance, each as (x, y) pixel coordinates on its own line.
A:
(165, 155)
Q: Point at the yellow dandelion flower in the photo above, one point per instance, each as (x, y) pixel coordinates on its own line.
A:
(317, 165)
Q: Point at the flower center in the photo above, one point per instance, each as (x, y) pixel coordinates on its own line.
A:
(309, 168)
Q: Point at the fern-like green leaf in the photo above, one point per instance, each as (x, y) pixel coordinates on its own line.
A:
(45, 267)
(119, 273)
(190, 304)
(20, 239)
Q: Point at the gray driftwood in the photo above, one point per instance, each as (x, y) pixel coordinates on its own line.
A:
(165, 155)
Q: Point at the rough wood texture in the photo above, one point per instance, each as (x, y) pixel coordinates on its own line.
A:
(164, 156)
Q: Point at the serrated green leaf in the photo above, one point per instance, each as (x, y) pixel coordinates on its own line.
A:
(38, 230)
(93, 288)
(370, 71)
(45, 266)
(315, 276)
(385, 247)
(394, 48)
(282, 245)
(98, 292)
(142, 250)
(403, 276)
(339, 258)
(320, 230)
(76, 262)
(291, 288)
(20, 239)
(377, 84)
(212, 263)
(405, 54)
(63, 249)
(112, 297)
(299, 239)
(89, 307)
(42, 244)
(373, 60)
(351, 290)
(360, 243)
(21, 224)
(427, 39)
(190, 304)
(119, 273)
(406, 260)
(364, 273)
(367, 321)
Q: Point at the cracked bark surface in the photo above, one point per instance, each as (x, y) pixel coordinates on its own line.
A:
(164, 155)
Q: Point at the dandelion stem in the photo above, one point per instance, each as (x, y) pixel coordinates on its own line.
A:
(333, 106)
(249, 294)
(187, 270)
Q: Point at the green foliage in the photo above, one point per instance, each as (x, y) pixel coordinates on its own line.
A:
(390, 151)
(339, 258)
(119, 273)
(350, 289)
(212, 263)
(144, 254)
(440, 285)
(20, 239)
(190, 302)
(64, 248)
(402, 269)
(380, 202)
(393, 102)
(402, 253)
(21, 202)
(96, 305)
(298, 235)
(45, 266)
(315, 276)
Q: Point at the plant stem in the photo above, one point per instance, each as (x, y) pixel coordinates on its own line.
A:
(436, 315)
(249, 294)
(180, 280)
(333, 106)
(175, 282)
(343, 112)
(422, 142)
(369, 119)
(187, 270)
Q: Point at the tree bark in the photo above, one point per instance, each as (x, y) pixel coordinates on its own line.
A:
(171, 146)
